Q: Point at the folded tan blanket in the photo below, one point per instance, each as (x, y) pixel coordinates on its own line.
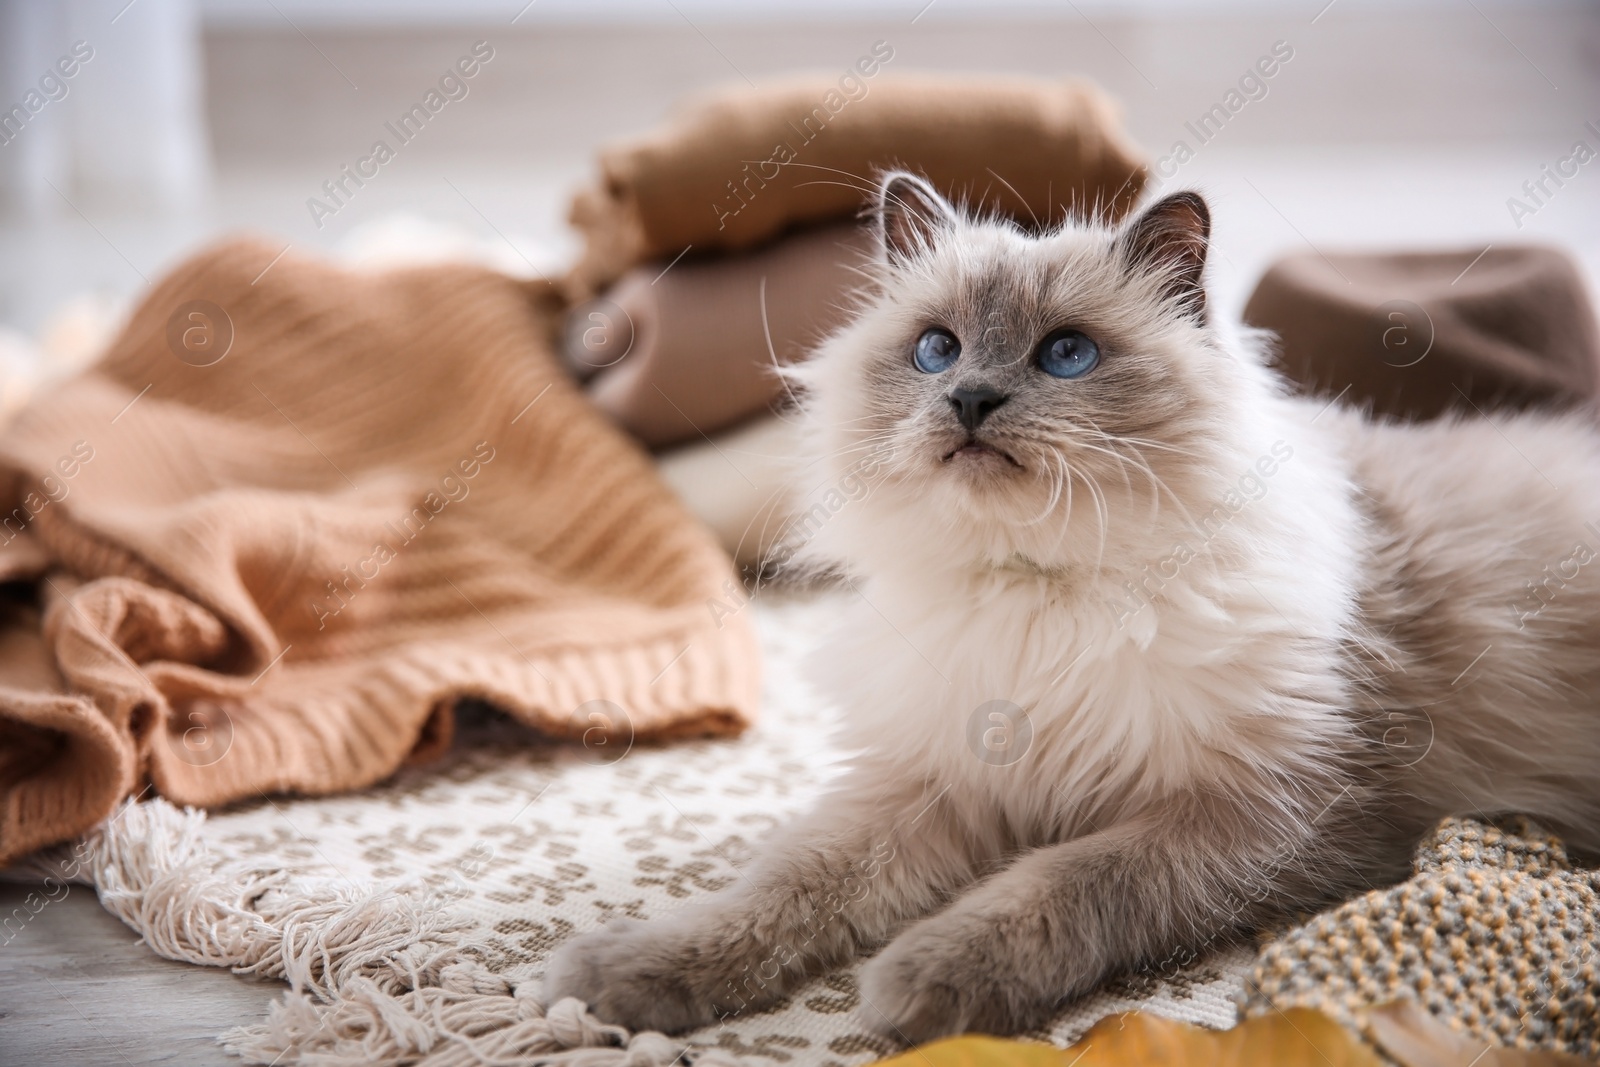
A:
(736, 169)
(293, 515)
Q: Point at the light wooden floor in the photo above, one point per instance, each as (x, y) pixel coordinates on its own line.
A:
(77, 989)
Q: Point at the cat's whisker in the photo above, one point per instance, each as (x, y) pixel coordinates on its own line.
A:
(1121, 460)
(868, 185)
(1102, 513)
(1156, 480)
(1156, 483)
(1066, 518)
(1062, 473)
(824, 181)
(1145, 442)
(772, 352)
(1055, 495)
(769, 513)
(866, 445)
(1019, 196)
(766, 512)
(1070, 475)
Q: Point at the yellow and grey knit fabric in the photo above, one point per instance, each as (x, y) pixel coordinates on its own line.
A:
(1496, 932)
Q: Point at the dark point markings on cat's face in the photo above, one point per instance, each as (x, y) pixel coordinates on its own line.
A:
(910, 215)
(1172, 237)
(1018, 349)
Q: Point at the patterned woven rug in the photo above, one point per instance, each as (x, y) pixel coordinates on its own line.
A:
(411, 920)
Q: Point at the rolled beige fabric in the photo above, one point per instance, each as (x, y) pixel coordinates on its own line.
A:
(1417, 334)
(736, 169)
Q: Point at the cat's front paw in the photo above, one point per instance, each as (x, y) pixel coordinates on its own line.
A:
(949, 974)
(633, 974)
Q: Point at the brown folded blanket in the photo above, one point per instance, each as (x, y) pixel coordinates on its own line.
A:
(737, 169)
(692, 357)
(289, 519)
(1417, 334)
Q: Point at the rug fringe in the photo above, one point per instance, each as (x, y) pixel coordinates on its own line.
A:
(435, 1026)
(376, 974)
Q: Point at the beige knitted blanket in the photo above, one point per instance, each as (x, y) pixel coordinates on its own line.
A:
(295, 513)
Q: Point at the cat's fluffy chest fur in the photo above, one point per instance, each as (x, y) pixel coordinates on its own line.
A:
(1148, 670)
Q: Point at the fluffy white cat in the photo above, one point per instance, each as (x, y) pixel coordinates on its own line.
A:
(1146, 652)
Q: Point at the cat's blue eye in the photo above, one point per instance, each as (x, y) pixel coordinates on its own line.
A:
(1068, 354)
(937, 351)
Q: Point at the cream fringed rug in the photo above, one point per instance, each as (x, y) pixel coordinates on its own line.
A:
(411, 921)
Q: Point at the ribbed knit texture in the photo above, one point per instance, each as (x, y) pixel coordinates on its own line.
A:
(277, 572)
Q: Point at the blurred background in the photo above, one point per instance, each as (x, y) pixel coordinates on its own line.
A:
(1404, 123)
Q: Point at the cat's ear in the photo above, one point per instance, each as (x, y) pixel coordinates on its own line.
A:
(1171, 237)
(910, 212)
